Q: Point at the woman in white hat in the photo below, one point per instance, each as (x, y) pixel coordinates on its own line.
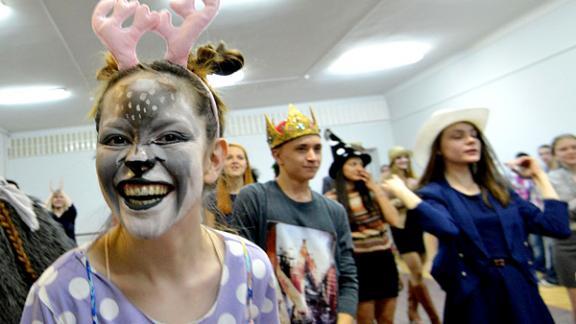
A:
(483, 260)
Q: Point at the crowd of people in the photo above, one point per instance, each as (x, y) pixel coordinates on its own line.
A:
(195, 237)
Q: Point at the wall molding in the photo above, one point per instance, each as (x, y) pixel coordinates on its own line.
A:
(238, 123)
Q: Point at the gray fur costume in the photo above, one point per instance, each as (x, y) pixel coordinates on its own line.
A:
(43, 247)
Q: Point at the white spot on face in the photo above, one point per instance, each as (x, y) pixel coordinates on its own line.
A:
(162, 99)
(152, 91)
(144, 109)
(154, 108)
(137, 107)
(129, 94)
(143, 96)
(133, 117)
(130, 104)
(148, 101)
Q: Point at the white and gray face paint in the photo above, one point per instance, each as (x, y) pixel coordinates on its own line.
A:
(150, 153)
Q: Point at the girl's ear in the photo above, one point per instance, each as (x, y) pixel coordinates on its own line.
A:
(216, 160)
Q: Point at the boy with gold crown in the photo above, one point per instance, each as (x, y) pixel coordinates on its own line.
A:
(306, 235)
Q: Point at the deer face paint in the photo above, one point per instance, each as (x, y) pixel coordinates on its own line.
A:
(150, 152)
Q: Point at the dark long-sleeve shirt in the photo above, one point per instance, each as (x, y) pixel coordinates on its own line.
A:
(315, 233)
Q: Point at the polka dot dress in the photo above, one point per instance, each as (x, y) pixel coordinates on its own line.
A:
(62, 293)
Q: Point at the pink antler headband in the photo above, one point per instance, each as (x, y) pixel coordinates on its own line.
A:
(122, 41)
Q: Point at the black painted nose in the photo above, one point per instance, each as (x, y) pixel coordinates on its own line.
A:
(140, 167)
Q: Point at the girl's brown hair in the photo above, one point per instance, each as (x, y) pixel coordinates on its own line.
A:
(223, 200)
(207, 59)
(12, 233)
(484, 172)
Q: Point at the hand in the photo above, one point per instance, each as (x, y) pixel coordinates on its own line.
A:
(526, 167)
(367, 179)
(394, 185)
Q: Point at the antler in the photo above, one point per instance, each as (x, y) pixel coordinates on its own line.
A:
(122, 41)
(179, 40)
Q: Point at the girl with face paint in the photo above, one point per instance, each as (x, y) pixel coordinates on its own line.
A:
(235, 175)
(159, 128)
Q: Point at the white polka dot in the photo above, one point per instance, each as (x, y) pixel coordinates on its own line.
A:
(109, 309)
(154, 108)
(254, 311)
(272, 282)
(79, 288)
(48, 277)
(235, 248)
(267, 306)
(43, 296)
(30, 298)
(241, 293)
(259, 269)
(67, 318)
(226, 319)
(225, 275)
(37, 322)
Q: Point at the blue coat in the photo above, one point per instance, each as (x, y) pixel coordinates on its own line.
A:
(463, 264)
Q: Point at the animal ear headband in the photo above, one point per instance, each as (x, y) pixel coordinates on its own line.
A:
(122, 41)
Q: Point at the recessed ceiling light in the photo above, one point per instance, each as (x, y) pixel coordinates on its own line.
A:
(220, 81)
(32, 95)
(378, 57)
(5, 11)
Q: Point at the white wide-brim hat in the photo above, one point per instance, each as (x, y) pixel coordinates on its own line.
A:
(441, 119)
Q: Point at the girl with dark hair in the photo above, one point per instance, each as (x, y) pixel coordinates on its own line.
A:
(409, 240)
(370, 213)
(564, 180)
(159, 142)
(483, 260)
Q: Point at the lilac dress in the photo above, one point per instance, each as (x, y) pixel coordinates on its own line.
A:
(63, 293)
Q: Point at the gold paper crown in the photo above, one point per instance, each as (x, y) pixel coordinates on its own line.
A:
(296, 125)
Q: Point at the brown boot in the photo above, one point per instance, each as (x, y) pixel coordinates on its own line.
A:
(423, 296)
(413, 316)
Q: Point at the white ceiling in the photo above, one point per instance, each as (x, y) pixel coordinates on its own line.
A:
(51, 42)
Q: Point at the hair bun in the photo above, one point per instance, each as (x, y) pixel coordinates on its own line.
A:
(219, 60)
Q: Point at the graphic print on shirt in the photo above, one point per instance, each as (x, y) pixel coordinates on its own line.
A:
(303, 260)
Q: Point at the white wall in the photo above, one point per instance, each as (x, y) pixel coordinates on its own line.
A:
(4, 139)
(525, 75)
(40, 157)
(364, 120)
